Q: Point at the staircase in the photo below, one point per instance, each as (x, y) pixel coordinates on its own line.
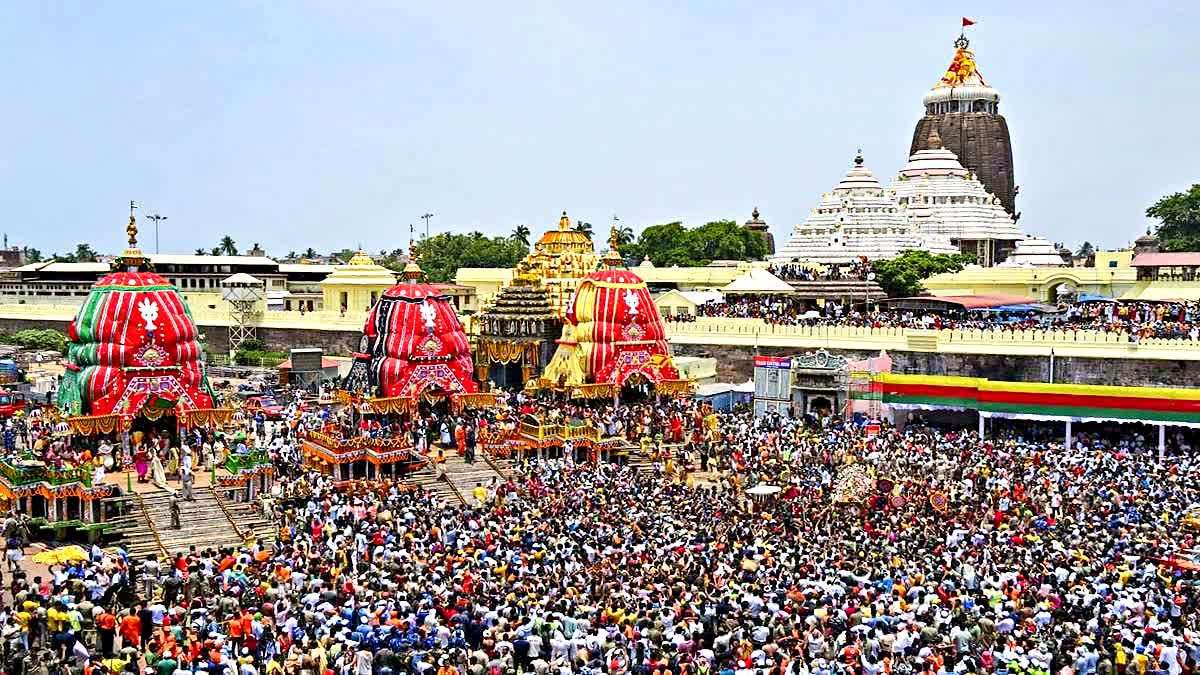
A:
(207, 523)
(460, 477)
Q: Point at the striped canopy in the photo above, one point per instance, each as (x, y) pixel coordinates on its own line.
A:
(412, 342)
(613, 332)
(133, 343)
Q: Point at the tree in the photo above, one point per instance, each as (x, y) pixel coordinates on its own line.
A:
(227, 245)
(441, 255)
(1179, 220)
(84, 253)
(1086, 249)
(310, 253)
(216, 250)
(32, 254)
(583, 227)
(673, 244)
(521, 233)
(902, 276)
(624, 236)
(201, 251)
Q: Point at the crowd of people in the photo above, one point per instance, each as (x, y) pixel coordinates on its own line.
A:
(1137, 320)
(880, 552)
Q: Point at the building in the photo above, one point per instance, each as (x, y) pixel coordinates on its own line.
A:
(949, 200)
(354, 287)
(858, 219)
(759, 226)
(965, 112)
(1035, 252)
(1112, 276)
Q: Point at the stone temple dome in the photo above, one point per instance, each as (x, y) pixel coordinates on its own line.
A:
(858, 219)
(947, 199)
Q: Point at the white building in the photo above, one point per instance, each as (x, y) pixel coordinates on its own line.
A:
(1034, 252)
(858, 219)
(948, 200)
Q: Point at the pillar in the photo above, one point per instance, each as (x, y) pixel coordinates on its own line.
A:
(1162, 440)
(1067, 439)
(982, 426)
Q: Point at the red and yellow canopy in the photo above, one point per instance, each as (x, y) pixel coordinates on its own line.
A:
(1038, 400)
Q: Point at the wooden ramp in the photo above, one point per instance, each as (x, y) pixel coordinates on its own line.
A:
(208, 522)
(458, 483)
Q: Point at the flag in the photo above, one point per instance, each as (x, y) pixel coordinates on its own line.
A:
(967, 22)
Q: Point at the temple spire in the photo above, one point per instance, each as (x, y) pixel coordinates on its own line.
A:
(412, 271)
(132, 260)
(564, 223)
(613, 257)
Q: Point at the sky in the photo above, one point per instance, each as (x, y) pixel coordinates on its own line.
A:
(338, 124)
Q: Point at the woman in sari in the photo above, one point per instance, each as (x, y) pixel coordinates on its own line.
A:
(173, 461)
(141, 462)
(158, 475)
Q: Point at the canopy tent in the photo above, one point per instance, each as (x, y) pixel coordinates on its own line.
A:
(955, 302)
(1042, 401)
(758, 281)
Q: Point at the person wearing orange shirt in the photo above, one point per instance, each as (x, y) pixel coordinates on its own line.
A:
(106, 628)
(131, 629)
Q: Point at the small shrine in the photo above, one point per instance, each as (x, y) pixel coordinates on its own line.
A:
(354, 287)
(516, 332)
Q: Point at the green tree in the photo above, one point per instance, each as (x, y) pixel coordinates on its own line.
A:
(521, 233)
(583, 227)
(227, 245)
(624, 236)
(291, 255)
(1179, 220)
(32, 254)
(902, 276)
(310, 253)
(1086, 249)
(84, 253)
(441, 255)
(672, 244)
(201, 251)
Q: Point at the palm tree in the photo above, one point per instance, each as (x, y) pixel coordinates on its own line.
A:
(1086, 249)
(583, 227)
(291, 255)
(624, 236)
(201, 251)
(310, 253)
(227, 245)
(521, 233)
(216, 250)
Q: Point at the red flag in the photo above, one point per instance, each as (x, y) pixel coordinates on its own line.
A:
(967, 22)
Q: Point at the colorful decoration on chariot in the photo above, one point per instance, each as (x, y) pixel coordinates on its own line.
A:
(133, 349)
(613, 332)
(852, 485)
(962, 67)
(412, 344)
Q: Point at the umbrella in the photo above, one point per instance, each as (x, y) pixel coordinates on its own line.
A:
(763, 489)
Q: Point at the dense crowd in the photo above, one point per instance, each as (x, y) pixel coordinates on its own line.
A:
(908, 551)
(859, 270)
(1137, 320)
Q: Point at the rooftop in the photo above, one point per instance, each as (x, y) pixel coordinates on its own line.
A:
(1178, 259)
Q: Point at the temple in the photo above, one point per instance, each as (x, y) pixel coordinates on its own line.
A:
(948, 200)
(965, 112)
(518, 328)
(858, 219)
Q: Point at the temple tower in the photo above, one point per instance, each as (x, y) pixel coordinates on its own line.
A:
(965, 112)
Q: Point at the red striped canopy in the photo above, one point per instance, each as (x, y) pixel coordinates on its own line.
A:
(133, 342)
(413, 342)
(618, 329)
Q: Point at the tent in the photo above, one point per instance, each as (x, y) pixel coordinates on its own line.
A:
(757, 280)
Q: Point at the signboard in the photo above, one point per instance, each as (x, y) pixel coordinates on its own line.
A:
(772, 362)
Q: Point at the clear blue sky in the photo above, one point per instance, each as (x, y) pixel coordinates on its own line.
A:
(336, 124)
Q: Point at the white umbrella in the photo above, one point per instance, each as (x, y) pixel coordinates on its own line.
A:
(763, 489)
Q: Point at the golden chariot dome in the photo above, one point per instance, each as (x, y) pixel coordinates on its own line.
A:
(565, 239)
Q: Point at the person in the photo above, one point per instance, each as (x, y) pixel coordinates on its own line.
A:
(175, 520)
(186, 481)
(141, 461)
(158, 474)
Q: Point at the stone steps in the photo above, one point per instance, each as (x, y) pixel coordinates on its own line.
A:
(205, 525)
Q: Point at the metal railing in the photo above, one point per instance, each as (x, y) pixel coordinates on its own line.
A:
(153, 528)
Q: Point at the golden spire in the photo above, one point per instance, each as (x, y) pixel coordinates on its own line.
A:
(564, 223)
(613, 257)
(412, 271)
(132, 260)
